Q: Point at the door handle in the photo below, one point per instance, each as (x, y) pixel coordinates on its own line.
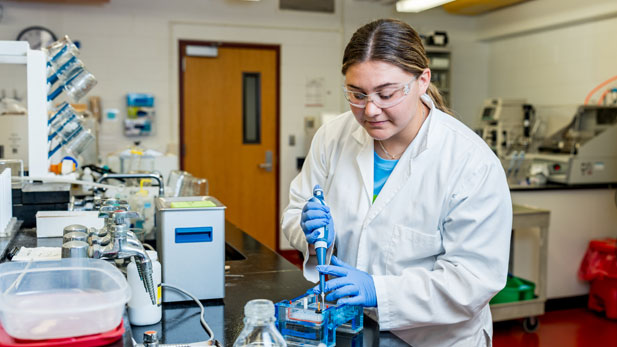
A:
(268, 164)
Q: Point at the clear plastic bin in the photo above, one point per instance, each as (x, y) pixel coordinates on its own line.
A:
(61, 298)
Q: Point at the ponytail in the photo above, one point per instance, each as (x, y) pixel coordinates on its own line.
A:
(434, 93)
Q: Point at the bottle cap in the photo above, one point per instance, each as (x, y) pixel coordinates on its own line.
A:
(259, 308)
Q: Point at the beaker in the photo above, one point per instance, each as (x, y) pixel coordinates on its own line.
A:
(176, 181)
(76, 86)
(79, 143)
(64, 72)
(64, 110)
(60, 51)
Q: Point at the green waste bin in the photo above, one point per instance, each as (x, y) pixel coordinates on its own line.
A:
(516, 289)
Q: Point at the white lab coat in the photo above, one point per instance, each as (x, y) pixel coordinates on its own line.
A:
(436, 239)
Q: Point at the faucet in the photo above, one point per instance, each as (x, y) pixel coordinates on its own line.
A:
(124, 244)
(103, 236)
(156, 177)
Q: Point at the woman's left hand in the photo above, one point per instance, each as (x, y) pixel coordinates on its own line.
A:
(355, 287)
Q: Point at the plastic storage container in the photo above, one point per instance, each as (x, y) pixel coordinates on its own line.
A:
(61, 298)
(516, 289)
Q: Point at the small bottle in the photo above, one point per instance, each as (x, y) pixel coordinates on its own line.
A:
(141, 309)
(259, 328)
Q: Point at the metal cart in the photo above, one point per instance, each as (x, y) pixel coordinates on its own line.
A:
(528, 217)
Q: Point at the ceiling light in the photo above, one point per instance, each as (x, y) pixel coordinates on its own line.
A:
(418, 5)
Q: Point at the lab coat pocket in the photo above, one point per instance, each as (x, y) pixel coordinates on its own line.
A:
(412, 247)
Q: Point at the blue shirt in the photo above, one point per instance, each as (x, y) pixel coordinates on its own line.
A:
(383, 169)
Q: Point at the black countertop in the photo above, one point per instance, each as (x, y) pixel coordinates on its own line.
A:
(262, 275)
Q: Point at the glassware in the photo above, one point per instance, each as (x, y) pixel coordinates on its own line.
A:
(79, 143)
(259, 328)
(76, 86)
(60, 51)
(200, 187)
(64, 71)
(63, 112)
(176, 182)
(64, 125)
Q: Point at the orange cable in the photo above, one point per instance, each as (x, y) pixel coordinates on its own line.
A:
(598, 87)
(603, 96)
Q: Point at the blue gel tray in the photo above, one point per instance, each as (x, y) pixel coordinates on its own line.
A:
(301, 325)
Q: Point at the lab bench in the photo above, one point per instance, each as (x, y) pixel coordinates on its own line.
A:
(256, 273)
(525, 217)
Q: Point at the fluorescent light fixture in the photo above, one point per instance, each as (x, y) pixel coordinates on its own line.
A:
(418, 5)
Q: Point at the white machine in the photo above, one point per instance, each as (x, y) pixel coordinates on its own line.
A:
(191, 243)
(506, 125)
(584, 151)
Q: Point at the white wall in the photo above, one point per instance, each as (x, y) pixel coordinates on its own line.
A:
(131, 46)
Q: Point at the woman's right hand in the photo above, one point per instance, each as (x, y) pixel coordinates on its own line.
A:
(314, 216)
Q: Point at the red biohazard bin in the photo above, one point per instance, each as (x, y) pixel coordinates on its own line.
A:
(599, 266)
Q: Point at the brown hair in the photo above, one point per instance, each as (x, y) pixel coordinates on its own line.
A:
(395, 42)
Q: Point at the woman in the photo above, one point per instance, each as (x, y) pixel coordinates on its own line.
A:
(419, 207)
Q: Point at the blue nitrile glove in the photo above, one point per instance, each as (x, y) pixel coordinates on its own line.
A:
(314, 216)
(355, 287)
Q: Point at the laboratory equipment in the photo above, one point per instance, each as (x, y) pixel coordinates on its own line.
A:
(124, 245)
(302, 324)
(194, 186)
(259, 328)
(190, 238)
(321, 247)
(75, 249)
(506, 125)
(75, 236)
(61, 298)
(141, 310)
(61, 50)
(63, 72)
(157, 177)
(76, 86)
(585, 150)
(177, 181)
(151, 161)
(33, 198)
(63, 116)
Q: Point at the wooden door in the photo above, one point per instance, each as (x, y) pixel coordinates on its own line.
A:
(229, 132)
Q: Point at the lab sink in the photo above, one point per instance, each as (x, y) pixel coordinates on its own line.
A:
(232, 254)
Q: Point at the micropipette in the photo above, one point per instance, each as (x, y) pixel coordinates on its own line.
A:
(321, 246)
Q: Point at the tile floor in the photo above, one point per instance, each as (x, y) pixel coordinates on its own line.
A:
(563, 328)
